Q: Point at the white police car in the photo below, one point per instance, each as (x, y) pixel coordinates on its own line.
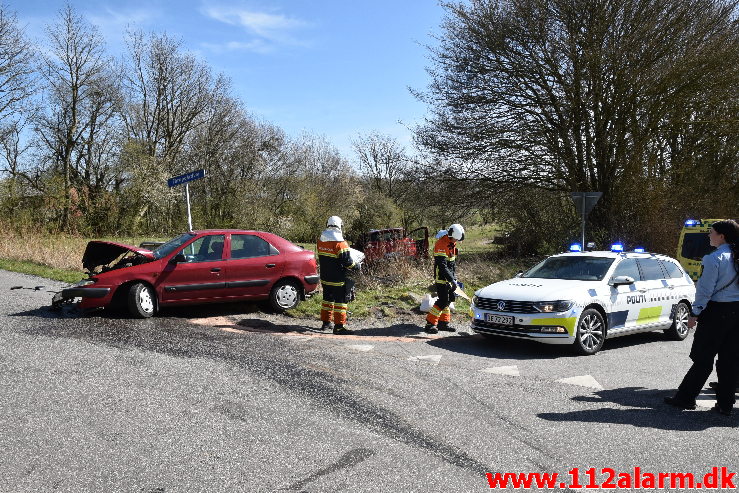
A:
(583, 298)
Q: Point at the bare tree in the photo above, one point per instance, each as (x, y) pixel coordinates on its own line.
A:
(16, 64)
(381, 160)
(168, 93)
(73, 70)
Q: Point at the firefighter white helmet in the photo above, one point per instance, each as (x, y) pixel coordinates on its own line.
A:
(456, 231)
(334, 222)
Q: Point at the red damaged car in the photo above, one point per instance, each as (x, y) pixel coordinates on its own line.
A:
(195, 267)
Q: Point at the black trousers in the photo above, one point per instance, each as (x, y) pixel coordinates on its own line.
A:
(717, 334)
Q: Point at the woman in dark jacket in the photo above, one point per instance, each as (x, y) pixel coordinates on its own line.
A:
(716, 307)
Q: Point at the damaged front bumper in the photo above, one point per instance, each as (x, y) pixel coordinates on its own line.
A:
(68, 295)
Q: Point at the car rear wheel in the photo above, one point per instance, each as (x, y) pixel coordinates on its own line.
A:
(678, 331)
(591, 332)
(141, 300)
(285, 295)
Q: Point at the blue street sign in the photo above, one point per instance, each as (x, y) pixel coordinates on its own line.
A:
(179, 180)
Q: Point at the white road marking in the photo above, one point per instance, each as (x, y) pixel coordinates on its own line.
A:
(360, 347)
(582, 381)
(434, 358)
(503, 370)
(706, 400)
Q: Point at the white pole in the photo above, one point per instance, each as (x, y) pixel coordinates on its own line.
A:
(189, 216)
(583, 221)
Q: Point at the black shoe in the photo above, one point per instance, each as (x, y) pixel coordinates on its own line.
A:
(431, 329)
(714, 386)
(675, 402)
(720, 410)
(327, 326)
(340, 329)
(446, 327)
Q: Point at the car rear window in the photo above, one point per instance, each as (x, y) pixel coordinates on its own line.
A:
(249, 246)
(695, 246)
(672, 269)
(571, 268)
(650, 269)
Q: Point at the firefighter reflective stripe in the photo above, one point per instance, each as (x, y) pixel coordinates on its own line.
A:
(446, 315)
(445, 255)
(330, 283)
(327, 308)
(341, 307)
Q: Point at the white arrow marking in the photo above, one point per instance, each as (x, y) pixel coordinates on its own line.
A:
(360, 347)
(435, 358)
(503, 370)
(582, 381)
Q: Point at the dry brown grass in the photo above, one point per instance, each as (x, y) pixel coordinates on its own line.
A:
(57, 251)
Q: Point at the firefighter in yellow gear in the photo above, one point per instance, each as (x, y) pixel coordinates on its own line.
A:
(334, 261)
(445, 279)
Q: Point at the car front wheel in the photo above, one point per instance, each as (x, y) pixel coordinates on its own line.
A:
(141, 300)
(678, 331)
(285, 295)
(591, 332)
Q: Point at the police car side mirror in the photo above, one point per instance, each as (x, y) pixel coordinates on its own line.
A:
(621, 280)
(520, 273)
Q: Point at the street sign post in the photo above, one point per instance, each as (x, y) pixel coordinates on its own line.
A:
(186, 179)
(584, 203)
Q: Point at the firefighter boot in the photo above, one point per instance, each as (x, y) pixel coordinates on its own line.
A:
(431, 329)
(446, 327)
(340, 329)
(327, 326)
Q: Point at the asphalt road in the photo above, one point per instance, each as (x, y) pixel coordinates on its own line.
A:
(225, 398)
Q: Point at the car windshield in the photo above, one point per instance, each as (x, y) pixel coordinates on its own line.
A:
(172, 245)
(572, 268)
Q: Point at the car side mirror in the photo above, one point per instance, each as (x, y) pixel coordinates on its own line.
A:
(621, 280)
(519, 274)
(179, 258)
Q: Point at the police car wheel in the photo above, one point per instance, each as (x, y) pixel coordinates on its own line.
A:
(591, 332)
(285, 295)
(678, 331)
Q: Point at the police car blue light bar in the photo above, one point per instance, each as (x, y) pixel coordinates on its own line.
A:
(576, 247)
(617, 247)
(639, 250)
(692, 222)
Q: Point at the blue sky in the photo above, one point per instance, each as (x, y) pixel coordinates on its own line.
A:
(330, 67)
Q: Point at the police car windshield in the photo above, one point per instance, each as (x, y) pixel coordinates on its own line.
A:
(172, 245)
(572, 268)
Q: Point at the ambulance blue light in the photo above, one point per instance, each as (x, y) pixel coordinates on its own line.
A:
(576, 247)
(617, 247)
(692, 222)
(639, 250)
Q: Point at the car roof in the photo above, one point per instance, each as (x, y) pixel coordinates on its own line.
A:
(609, 254)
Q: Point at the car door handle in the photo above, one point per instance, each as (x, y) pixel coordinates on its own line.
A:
(215, 269)
(642, 290)
(269, 266)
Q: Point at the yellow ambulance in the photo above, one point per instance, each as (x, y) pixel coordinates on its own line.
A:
(693, 245)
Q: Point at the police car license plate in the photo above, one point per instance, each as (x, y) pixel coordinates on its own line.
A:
(499, 319)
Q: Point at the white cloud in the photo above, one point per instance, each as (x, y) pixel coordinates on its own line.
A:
(273, 28)
(256, 46)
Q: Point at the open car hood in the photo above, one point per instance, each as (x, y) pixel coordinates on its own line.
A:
(100, 253)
